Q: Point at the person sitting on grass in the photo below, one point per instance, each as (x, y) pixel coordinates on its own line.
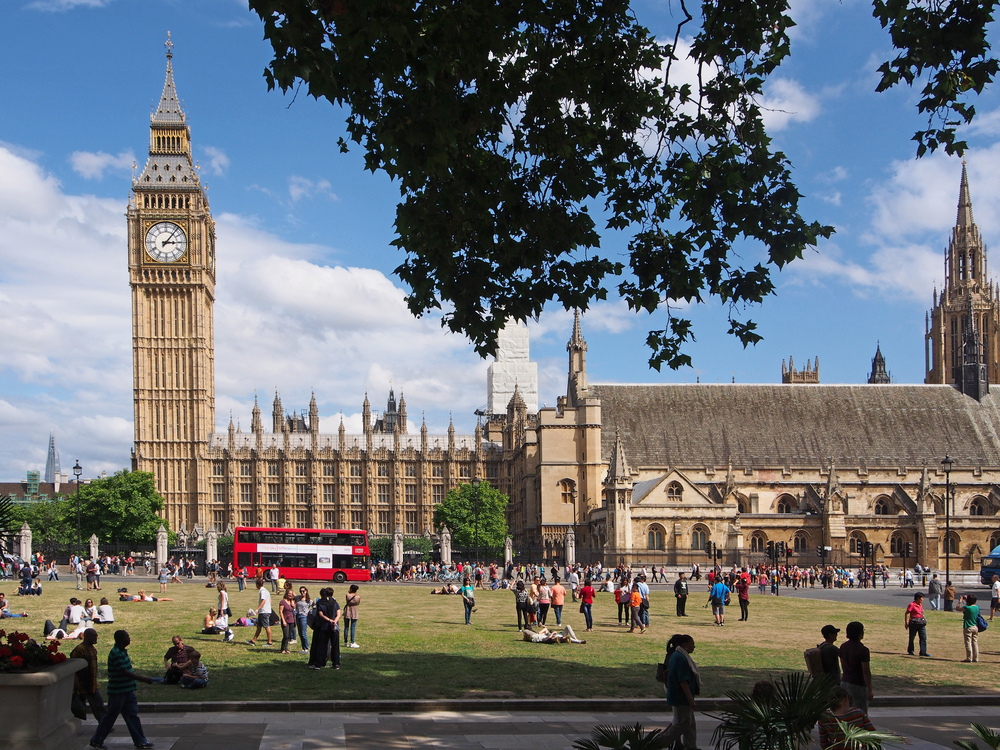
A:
(105, 614)
(195, 673)
(5, 609)
(544, 635)
(831, 737)
(451, 588)
(175, 660)
(209, 626)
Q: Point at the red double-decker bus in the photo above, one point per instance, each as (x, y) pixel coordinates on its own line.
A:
(305, 554)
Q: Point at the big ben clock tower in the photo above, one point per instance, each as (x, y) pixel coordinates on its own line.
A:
(171, 261)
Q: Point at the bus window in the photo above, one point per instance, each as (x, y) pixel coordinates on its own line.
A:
(243, 559)
(360, 562)
(358, 540)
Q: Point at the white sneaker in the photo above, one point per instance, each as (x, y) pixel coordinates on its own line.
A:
(355, 645)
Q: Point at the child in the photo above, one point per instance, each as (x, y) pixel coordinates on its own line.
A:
(195, 672)
(830, 736)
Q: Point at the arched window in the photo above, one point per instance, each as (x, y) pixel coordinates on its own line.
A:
(857, 543)
(655, 538)
(951, 544)
(675, 491)
(785, 504)
(882, 507)
(978, 507)
(741, 506)
(800, 542)
(699, 537)
(758, 543)
(897, 544)
(567, 488)
(995, 540)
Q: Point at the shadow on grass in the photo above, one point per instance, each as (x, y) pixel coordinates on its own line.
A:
(415, 675)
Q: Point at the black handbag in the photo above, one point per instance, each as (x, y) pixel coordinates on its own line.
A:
(661, 672)
(77, 707)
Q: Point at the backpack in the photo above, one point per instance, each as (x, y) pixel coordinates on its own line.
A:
(814, 661)
(311, 617)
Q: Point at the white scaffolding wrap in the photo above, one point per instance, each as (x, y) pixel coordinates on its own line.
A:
(512, 367)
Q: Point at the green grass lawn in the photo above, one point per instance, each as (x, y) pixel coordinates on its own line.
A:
(414, 645)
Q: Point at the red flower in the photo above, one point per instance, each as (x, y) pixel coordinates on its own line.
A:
(16, 661)
(54, 646)
(17, 648)
(3, 633)
(5, 652)
(59, 658)
(22, 637)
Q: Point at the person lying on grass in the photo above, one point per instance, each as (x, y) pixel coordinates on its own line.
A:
(544, 635)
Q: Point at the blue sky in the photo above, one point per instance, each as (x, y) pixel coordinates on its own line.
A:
(306, 296)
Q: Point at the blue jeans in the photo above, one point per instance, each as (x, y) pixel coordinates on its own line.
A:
(468, 612)
(242, 582)
(588, 616)
(557, 609)
(126, 705)
(303, 624)
(193, 682)
(349, 628)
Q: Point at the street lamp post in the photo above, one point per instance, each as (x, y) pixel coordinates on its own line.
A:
(77, 471)
(947, 464)
(475, 489)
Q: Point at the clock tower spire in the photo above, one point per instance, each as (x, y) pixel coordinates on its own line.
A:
(171, 259)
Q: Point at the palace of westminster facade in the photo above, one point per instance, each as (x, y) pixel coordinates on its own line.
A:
(645, 473)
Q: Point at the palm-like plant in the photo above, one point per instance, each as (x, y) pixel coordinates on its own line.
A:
(983, 732)
(784, 722)
(6, 523)
(856, 738)
(623, 738)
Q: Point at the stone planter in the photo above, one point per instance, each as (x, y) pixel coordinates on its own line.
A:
(35, 706)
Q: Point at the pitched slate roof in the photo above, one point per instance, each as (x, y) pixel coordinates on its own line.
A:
(698, 425)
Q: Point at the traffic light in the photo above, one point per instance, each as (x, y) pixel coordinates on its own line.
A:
(909, 549)
(780, 549)
(770, 549)
(869, 549)
(820, 551)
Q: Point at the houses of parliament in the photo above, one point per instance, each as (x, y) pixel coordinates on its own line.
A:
(636, 473)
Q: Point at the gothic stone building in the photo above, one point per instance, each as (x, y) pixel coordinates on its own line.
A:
(638, 472)
(651, 473)
(294, 475)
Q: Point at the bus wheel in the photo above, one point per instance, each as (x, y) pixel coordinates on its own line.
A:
(340, 576)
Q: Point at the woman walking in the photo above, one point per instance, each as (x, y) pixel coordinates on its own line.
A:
(351, 615)
(521, 602)
(302, 606)
(635, 605)
(587, 603)
(683, 684)
(544, 602)
(286, 611)
(970, 626)
(468, 599)
(915, 622)
(222, 621)
(743, 596)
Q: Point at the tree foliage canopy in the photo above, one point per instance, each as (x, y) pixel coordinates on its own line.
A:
(458, 512)
(510, 124)
(124, 507)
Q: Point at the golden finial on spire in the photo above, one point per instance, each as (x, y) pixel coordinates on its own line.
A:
(170, 47)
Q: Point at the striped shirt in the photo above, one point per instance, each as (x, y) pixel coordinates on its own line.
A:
(119, 663)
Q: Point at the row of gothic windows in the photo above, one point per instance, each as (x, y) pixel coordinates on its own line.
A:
(656, 538)
(166, 201)
(169, 141)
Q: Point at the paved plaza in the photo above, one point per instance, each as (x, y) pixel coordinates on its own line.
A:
(925, 728)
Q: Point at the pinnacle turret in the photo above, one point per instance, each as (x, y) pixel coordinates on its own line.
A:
(964, 218)
(169, 111)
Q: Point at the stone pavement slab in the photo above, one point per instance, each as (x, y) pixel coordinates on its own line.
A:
(925, 727)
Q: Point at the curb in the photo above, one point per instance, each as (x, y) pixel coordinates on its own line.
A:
(527, 705)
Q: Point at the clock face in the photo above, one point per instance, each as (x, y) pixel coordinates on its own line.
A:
(165, 242)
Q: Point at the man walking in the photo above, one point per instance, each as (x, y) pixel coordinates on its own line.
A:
(855, 661)
(934, 591)
(85, 681)
(681, 594)
(78, 571)
(275, 576)
(994, 596)
(121, 696)
(263, 613)
(644, 607)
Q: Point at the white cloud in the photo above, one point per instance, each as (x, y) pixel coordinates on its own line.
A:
(912, 213)
(785, 102)
(92, 166)
(62, 5)
(218, 162)
(837, 174)
(284, 317)
(301, 187)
